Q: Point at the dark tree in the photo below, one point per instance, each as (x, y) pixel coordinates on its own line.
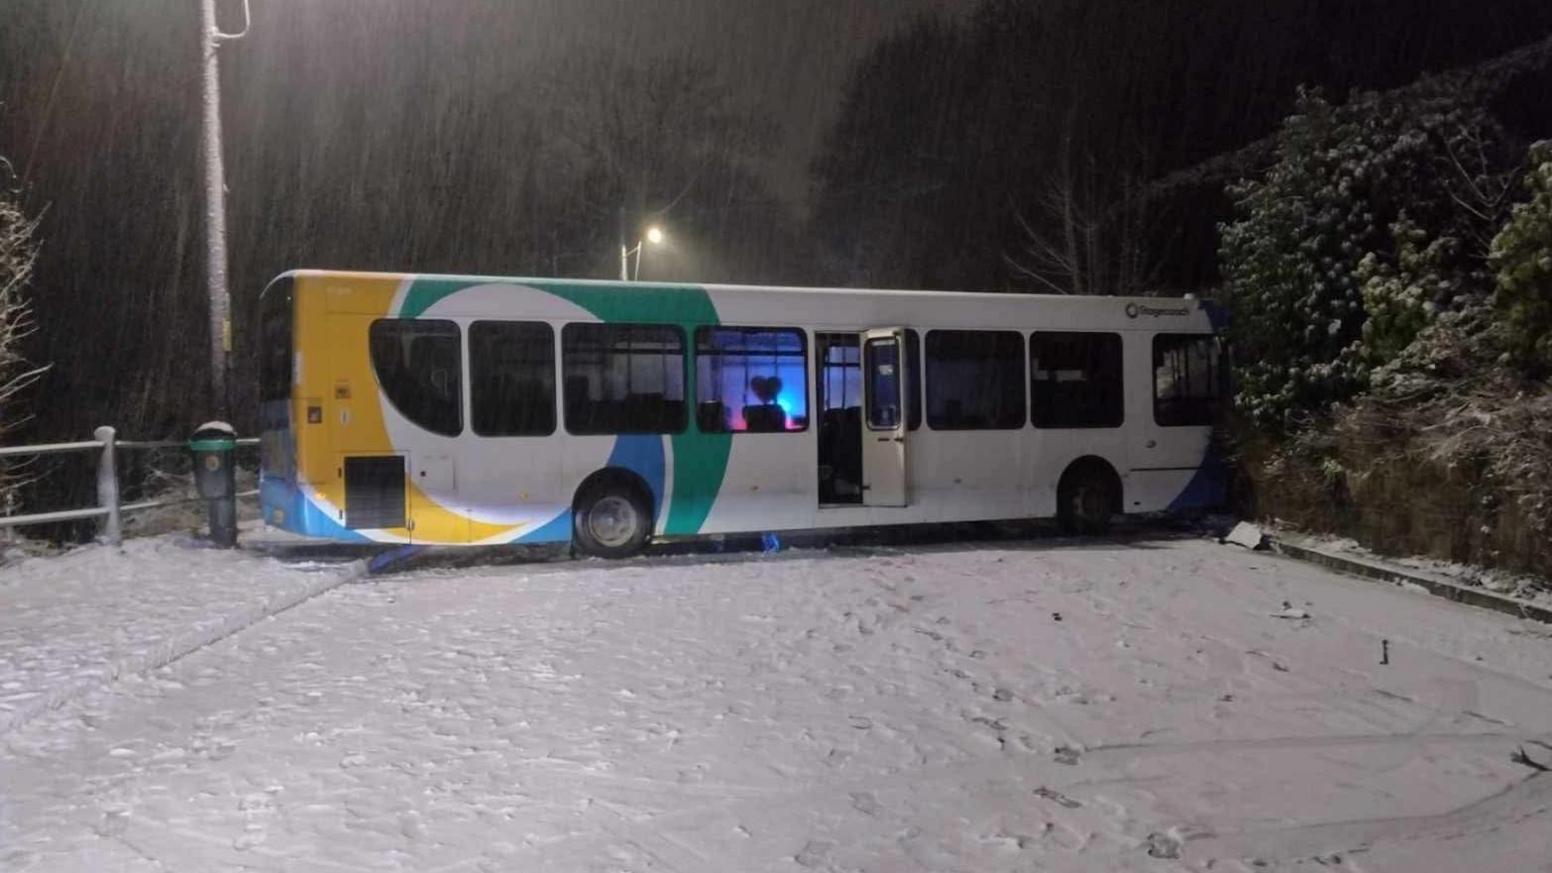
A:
(1017, 148)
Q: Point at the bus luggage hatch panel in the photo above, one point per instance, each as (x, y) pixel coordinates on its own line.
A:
(374, 492)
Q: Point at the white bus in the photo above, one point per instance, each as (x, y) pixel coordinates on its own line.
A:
(478, 410)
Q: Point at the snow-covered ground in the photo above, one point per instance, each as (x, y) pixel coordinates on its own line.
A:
(1055, 706)
(71, 622)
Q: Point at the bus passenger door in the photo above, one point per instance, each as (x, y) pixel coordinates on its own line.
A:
(884, 394)
(1174, 463)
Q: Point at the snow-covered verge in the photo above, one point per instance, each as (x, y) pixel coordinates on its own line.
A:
(71, 622)
(1445, 456)
(1054, 706)
(1521, 586)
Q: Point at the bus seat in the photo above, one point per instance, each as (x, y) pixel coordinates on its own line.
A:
(639, 409)
(711, 416)
(765, 418)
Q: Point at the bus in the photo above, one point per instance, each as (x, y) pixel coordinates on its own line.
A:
(471, 410)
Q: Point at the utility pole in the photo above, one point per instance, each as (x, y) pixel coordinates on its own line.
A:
(624, 251)
(211, 38)
(654, 235)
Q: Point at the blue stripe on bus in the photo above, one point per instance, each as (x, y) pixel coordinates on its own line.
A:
(1217, 315)
(1209, 485)
(302, 515)
(642, 454)
(556, 530)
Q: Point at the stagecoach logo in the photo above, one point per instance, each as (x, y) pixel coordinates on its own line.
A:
(1133, 310)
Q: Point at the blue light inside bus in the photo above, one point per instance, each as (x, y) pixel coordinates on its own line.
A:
(736, 387)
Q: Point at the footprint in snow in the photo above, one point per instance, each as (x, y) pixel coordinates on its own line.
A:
(1019, 841)
(813, 854)
(248, 840)
(114, 821)
(865, 803)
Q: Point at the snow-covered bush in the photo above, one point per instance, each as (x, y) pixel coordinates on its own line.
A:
(1403, 293)
(1354, 240)
(1522, 263)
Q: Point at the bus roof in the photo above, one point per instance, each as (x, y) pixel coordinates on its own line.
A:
(1102, 311)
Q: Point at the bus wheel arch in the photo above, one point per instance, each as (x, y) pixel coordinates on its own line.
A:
(612, 514)
(1088, 495)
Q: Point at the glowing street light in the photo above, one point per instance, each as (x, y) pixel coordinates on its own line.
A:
(654, 236)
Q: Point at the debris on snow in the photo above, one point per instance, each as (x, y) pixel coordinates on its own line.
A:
(1056, 796)
(1248, 535)
(1291, 611)
(1519, 757)
(1163, 845)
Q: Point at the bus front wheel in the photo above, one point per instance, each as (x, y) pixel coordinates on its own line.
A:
(611, 520)
(1086, 499)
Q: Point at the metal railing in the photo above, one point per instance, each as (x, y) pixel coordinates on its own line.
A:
(109, 510)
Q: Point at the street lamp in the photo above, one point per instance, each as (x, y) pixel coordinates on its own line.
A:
(655, 236)
(211, 37)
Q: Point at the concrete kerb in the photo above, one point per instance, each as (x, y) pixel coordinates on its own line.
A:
(178, 646)
(1439, 587)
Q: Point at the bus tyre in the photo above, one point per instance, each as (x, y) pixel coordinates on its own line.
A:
(1085, 502)
(611, 520)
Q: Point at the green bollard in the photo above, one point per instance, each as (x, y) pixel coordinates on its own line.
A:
(214, 450)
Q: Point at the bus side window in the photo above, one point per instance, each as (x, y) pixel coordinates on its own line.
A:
(975, 380)
(623, 378)
(1188, 379)
(751, 379)
(881, 368)
(1075, 380)
(512, 378)
(419, 366)
(275, 335)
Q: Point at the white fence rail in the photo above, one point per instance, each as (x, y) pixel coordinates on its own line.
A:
(109, 510)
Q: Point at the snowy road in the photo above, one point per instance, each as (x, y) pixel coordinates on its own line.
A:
(1138, 706)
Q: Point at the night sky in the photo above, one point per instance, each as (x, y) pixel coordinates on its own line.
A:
(788, 58)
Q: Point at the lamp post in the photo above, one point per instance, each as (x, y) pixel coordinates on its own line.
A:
(211, 37)
(654, 236)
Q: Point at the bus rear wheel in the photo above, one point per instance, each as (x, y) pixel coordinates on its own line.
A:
(1085, 502)
(611, 521)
